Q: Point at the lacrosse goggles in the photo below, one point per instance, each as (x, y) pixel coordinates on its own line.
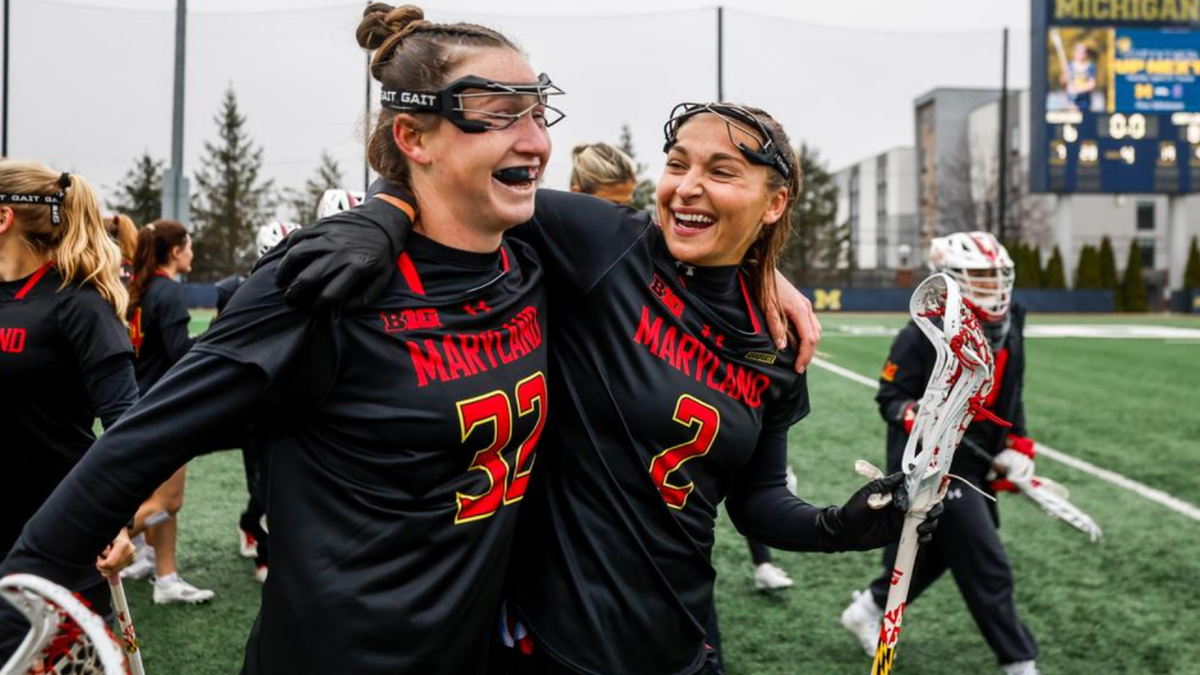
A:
(53, 200)
(746, 132)
(471, 102)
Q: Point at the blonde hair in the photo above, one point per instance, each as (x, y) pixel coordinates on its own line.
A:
(80, 246)
(122, 230)
(595, 165)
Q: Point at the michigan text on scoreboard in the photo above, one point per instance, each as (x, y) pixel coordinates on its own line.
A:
(1115, 96)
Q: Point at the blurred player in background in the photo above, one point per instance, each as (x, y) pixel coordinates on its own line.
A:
(158, 327)
(600, 170)
(966, 543)
(253, 536)
(123, 231)
(65, 357)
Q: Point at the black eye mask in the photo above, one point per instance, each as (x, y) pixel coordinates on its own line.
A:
(453, 102)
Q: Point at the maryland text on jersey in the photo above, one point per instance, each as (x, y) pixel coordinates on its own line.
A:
(692, 357)
(12, 340)
(457, 355)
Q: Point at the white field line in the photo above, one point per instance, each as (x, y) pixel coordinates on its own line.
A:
(1174, 503)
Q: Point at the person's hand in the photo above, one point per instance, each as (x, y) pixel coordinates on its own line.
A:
(799, 312)
(116, 556)
(862, 523)
(1014, 466)
(343, 260)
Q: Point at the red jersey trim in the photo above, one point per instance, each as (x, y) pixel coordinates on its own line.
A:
(409, 271)
(749, 305)
(33, 280)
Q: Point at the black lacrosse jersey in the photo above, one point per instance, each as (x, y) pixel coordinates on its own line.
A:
(158, 328)
(659, 405)
(54, 342)
(906, 374)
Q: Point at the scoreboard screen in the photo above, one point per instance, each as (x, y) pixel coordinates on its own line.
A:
(1115, 96)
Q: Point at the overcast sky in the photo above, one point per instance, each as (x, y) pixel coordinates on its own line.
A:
(91, 80)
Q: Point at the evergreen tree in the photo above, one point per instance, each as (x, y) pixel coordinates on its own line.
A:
(139, 193)
(1087, 272)
(818, 244)
(1029, 267)
(1133, 285)
(1055, 276)
(231, 198)
(644, 192)
(303, 202)
(1191, 274)
(1108, 265)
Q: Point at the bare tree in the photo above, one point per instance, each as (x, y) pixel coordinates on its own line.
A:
(968, 198)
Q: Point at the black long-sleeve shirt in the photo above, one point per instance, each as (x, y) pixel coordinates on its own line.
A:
(159, 329)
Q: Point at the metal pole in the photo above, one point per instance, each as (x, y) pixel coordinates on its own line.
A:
(367, 126)
(720, 53)
(4, 134)
(175, 197)
(1003, 211)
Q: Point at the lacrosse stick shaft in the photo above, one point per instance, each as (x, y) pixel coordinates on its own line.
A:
(128, 636)
(893, 613)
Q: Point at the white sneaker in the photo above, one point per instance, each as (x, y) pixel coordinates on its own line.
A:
(247, 544)
(864, 618)
(768, 577)
(141, 568)
(1021, 668)
(173, 588)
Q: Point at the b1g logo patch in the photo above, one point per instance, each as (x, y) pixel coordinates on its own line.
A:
(410, 319)
(663, 292)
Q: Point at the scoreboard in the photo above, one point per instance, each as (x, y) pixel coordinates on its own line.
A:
(1115, 96)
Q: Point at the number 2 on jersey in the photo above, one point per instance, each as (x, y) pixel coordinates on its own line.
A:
(690, 412)
(494, 411)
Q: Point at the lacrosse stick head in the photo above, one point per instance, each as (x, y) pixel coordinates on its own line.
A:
(961, 379)
(65, 637)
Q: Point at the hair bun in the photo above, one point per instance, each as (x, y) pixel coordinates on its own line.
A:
(382, 22)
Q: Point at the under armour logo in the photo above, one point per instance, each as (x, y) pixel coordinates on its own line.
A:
(708, 332)
(480, 307)
(956, 493)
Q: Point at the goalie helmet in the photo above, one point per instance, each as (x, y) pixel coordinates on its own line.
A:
(336, 201)
(981, 266)
(271, 234)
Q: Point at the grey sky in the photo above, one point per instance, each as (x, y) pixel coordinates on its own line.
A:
(91, 80)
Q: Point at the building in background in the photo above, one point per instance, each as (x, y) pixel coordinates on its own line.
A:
(878, 198)
(950, 182)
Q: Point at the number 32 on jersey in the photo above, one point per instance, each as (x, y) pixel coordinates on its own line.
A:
(695, 414)
(493, 412)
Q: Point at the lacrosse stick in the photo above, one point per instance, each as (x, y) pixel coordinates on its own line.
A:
(1051, 497)
(65, 637)
(961, 378)
(125, 621)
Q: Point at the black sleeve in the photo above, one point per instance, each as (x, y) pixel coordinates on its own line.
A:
(905, 374)
(173, 319)
(259, 327)
(185, 415)
(792, 407)
(1018, 418)
(761, 507)
(112, 388)
(579, 237)
(101, 346)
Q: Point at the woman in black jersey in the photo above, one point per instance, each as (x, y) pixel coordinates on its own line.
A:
(671, 398)
(404, 430)
(158, 327)
(64, 349)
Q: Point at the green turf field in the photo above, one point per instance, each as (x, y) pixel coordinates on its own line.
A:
(1128, 605)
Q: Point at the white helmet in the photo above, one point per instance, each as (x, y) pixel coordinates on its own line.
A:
(271, 234)
(981, 266)
(336, 201)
